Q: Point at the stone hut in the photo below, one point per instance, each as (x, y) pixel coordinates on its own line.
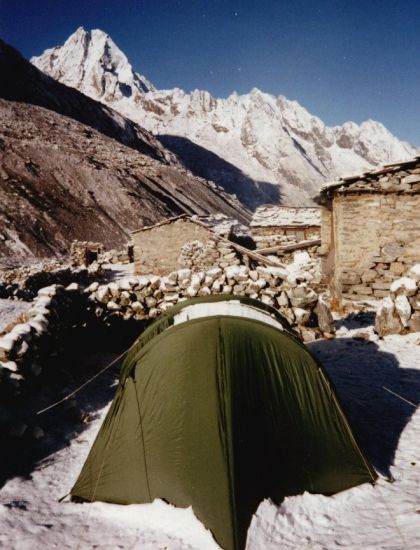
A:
(370, 229)
(273, 225)
(180, 242)
(84, 253)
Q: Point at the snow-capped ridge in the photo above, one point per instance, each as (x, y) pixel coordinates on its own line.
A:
(266, 148)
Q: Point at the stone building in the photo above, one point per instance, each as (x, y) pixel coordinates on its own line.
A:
(180, 242)
(370, 229)
(273, 225)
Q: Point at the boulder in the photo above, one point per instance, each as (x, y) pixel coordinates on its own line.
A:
(405, 286)
(403, 308)
(302, 296)
(387, 320)
(324, 317)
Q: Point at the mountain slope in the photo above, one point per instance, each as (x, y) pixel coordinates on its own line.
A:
(61, 180)
(263, 148)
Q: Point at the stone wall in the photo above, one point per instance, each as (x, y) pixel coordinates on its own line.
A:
(24, 282)
(180, 243)
(291, 290)
(266, 237)
(376, 238)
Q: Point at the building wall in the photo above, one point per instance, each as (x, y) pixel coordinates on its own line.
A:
(179, 244)
(375, 239)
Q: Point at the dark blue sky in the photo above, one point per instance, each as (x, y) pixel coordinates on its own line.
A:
(342, 60)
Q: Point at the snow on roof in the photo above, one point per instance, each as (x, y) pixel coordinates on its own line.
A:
(346, 181)
(286, 216)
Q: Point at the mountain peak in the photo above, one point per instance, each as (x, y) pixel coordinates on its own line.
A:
(91, 62)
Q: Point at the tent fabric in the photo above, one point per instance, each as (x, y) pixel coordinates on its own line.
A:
(218, 413)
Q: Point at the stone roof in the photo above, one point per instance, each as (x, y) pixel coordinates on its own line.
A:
(403, 176)
(270, 215)
(186, 217)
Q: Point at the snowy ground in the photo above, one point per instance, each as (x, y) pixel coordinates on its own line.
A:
(384, 516)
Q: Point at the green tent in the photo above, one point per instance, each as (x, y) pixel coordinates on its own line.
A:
(219, 406)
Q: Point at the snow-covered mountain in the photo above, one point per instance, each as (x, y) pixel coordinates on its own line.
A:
(261, 147)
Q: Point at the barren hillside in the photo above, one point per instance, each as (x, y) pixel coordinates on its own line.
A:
(61, 180)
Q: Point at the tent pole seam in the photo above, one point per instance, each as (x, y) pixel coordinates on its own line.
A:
(142, 440)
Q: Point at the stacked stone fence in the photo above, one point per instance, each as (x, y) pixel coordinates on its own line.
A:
(292, 292)
(23, 283)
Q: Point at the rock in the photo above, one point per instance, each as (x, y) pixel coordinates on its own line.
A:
(227, 289)
(238, 289)
(302, 296)
(184, 274)
(141, 282)
(412, 178)
(369, 276)
(350, 278)
(253, 275)
(113, 306)
(173, 277)
(267, 300)
(403, 308)
(414, 322)
(204, 291)
(125, 298)
(154, 282)
(323, 313)
(7, 344)
(387, 321)
(72, 287)
(150, 302)
(114, 289)
(282, 299)
(125, 284)
(172, 297)
(301, 315)
(192, 291)
(102, 294)
(404, 285)
(397, 268)
(391, 251)
(308, 335)
(237, 272)
(272, 272)
(214, 272)
(22, 330)
(9, 365)
(361, 335)
(93, 287)
(414, 272)
(48, 290)
(153, 313)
